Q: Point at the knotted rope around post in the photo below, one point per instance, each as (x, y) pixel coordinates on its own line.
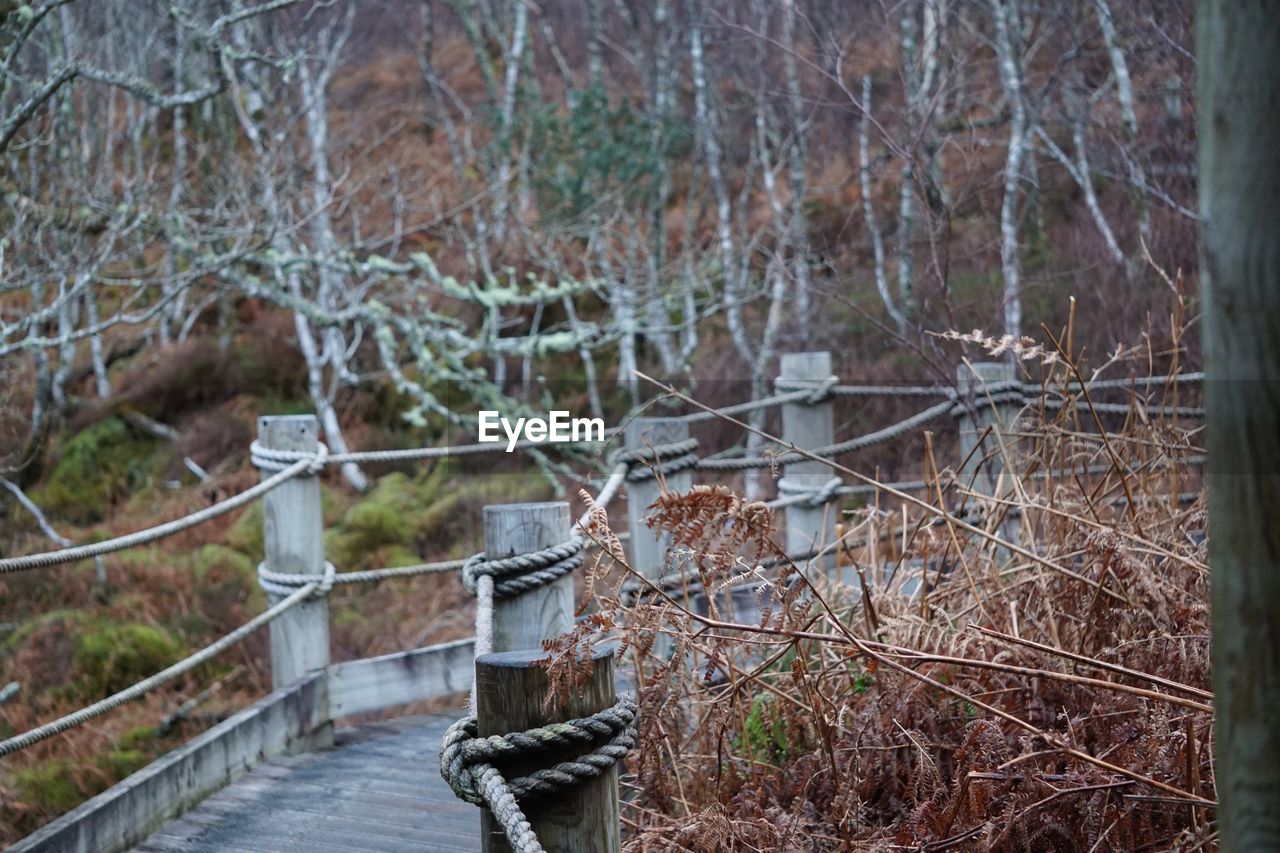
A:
(270, 459)
(645, 463)
(819, 391)
(284, 584)
(989, 394)
(489, 580)
(469, 762)
(794, 494)
(520, 573)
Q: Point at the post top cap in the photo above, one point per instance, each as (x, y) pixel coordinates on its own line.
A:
(525, 658)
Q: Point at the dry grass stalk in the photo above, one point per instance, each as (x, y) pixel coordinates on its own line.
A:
(1046, 694)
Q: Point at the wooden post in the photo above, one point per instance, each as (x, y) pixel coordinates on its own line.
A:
(983, 462)
(649, 547)
(808, 427)
(524, 621)
(1239, 75)
(510, 690)
(292, 532)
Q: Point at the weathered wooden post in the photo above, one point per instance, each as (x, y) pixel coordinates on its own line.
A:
(524, 621)
(1239, 184)
(808, 426)
(988, 448)
(983, 389)
(510, 690)
(649, 547)
(293, 542)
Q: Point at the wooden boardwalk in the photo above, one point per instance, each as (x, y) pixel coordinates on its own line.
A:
(378, 790)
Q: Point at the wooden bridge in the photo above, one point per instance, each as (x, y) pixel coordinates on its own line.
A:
(375, 789)
(284, 774)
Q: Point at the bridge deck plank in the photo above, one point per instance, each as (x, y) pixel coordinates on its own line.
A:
(378, 790)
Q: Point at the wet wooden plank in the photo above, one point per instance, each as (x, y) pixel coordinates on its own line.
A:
(378, 790)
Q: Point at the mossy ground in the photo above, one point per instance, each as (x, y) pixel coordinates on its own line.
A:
(95, 469)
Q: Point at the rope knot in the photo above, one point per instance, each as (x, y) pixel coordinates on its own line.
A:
(467, 762)
(645, 463)
(990, 393)
(821, 392)
(270, 459)
(520, 573)
(284, 584)
(812, 498)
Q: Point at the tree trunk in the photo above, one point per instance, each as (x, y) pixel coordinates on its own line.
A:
(1239, 135)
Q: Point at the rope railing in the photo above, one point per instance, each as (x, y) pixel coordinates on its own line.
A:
(1124, 408)
(467, 761)
(294, 588)
(145, 686)
(285, 464)
(161, 531)
(889, 433)
(1194, 378)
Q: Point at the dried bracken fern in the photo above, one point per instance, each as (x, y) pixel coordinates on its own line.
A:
(969, 698)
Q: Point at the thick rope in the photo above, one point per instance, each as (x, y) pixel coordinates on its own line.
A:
(284, 583)
(646, 463)
(820, 390)
(467, 763)
(270, 459)
(808, 497)
(145, 686)
(377, 575)
(892, 391)
(1135, 382)
(1126, 408)
(519, 573)
(889, 433)
(160, 531)
(743, 408)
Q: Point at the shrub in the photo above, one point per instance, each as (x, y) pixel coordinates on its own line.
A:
(110, 657)
(95, 469)
(245, 535)
(49, 787)
(964, 709)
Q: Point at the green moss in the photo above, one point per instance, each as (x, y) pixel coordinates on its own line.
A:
(223, 577)
(95, 469)
(111, 657)
(52, 787)
(405, 519)
(24, 632)
(49, 786)
(245, 535)
(386, 521)
(214, 559)
(383, 517)
(138, 736)
(400, 556)
(119, 763)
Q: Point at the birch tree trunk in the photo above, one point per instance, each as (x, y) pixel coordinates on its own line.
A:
(314, 93)
(1124, 94)
(1239, 115)
(869, 210)
(707, 133)
(1010, 62)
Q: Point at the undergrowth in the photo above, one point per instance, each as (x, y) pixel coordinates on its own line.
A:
(1025, 672)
